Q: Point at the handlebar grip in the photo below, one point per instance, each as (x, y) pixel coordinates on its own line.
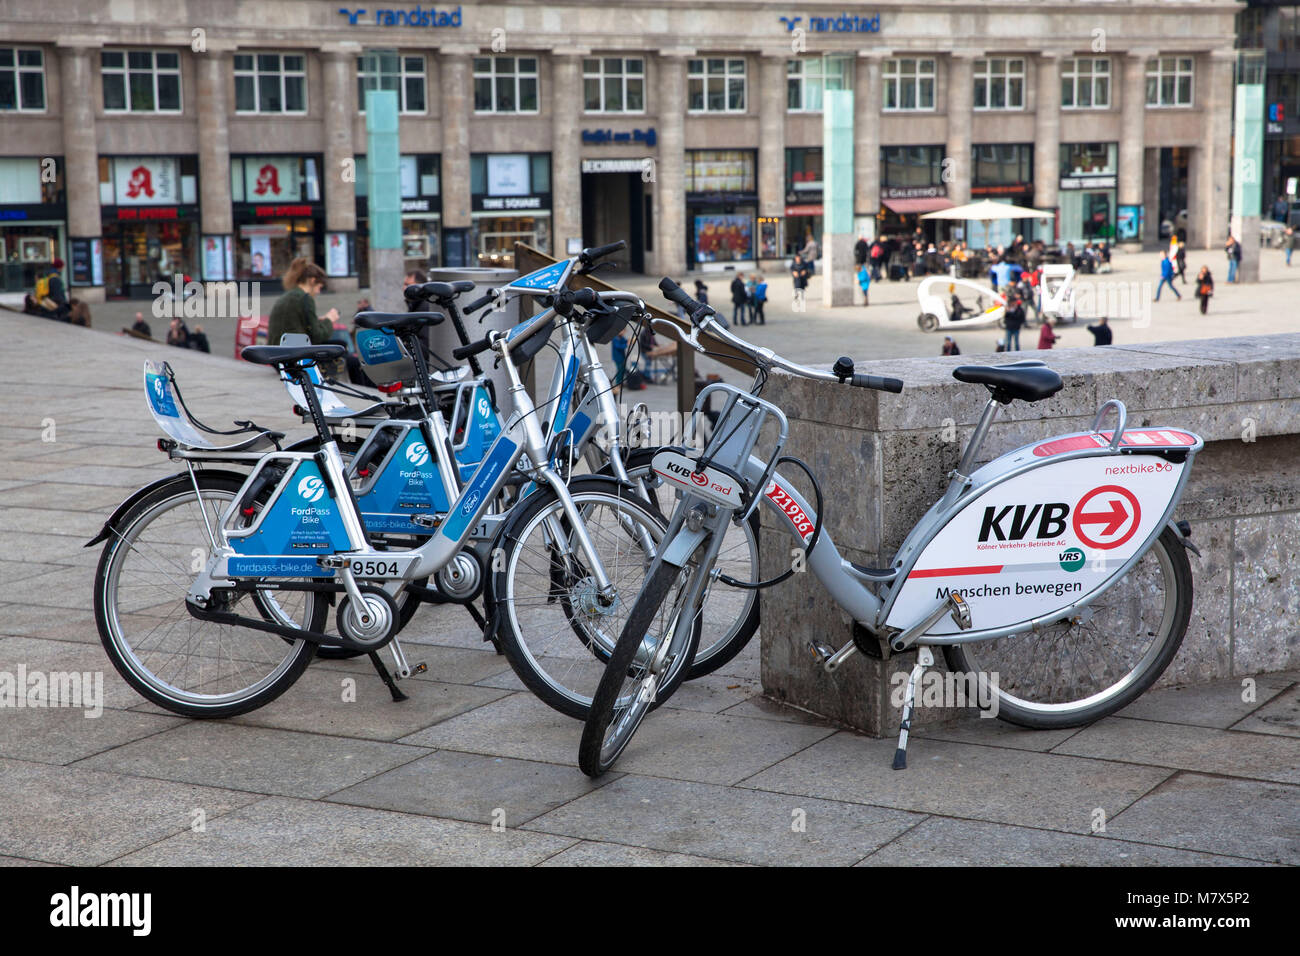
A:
(587, 298)
(878, 383)
(478, 304)
(676, 294)
(474, 348)
(596, 253)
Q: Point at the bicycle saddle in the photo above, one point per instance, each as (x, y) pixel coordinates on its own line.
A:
(398, 321)
(442, 291)
(291, 354)
(1028, 380)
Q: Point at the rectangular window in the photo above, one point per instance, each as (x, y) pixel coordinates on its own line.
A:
(715, 85)
(720, 171)
(909, 84)
(911, 166)
(22, 80)
(1169, 81)
(270, 83)
(389, 70)
(141, 81)
(613, 84)
(1000, 83)
(1085, 83)
(505, 84)
(806, 80)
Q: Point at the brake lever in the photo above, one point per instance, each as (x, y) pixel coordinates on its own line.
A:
(693, 339)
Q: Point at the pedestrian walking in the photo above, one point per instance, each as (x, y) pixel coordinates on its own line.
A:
(751, 283)
(760, 298)
(701, 292)
(864, 281)
(1233, 250)
(877, 256)
(1046, 337)
(860, 252)
(1015, 321)
(1204, 287)
(1288, 243)
(1100, 332)
(739, 301)
(1180, 262)
(1167, 276)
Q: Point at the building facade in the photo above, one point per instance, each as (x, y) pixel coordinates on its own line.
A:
(187, 139)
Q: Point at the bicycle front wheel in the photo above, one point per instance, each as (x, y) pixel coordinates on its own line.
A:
(1098, 660)
(188, 666)
(629, 689)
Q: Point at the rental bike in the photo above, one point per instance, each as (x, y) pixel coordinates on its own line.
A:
(1055, 567)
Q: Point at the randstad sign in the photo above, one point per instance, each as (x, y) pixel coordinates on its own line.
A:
(844, 23)
(417, 16)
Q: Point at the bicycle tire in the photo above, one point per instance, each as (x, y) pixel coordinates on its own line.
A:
(1167, 557)
(595, 755)
(714, 651)
(142, 667)
(549, 626)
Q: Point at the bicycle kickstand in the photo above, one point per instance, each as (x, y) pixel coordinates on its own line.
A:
(924, 659)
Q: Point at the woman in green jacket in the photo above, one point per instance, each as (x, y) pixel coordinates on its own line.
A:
(295, 310)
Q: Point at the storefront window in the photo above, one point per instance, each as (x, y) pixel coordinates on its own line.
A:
(1089, 159)
(720, 171)
(511, 198)
(803, 197)
(263, 250)
(911, 166)
(1088, 192)
(721, 205)
(138, 254)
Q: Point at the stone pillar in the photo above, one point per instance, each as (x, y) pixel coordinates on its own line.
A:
(961, 97)
(566, 152)
(457, 100)
(339, 75)
(1210, 176)
(1047, 132)
(1132, 141)
(866, 132)
(670, 177)
(771, 133)
(80, 150)
(211, 70)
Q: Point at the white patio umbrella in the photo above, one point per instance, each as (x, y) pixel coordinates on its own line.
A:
(986, 210)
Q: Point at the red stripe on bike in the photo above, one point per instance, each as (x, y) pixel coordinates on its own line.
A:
(950, 572)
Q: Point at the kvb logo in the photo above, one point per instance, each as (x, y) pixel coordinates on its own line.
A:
(141, 182)
(417, 453)
(1115, 515)
(268, 180)
(311, 488)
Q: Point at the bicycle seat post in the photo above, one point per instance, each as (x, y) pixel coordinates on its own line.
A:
(967, 464)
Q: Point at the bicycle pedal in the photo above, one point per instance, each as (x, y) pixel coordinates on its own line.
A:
(420, 668)
(959, 608)
(820, 652)
(426, 520)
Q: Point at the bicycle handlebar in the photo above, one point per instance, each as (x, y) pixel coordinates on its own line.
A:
(474, 348)
(479, 302)
(591, 255)
(703, 317)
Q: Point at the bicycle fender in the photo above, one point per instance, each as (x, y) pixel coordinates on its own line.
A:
(682, 546)
(139, 494)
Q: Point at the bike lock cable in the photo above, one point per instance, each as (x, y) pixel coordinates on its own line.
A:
(812, 541)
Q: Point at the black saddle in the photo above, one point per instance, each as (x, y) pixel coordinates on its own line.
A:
(438, 291)
(292, 354)
(398, 321)
(1028, 380)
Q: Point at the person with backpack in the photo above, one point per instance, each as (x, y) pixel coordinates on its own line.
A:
(49, 299)
(877, 255)
(760, 298)
(1015, 321)
(739, 301)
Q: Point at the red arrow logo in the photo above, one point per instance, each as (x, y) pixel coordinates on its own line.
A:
(1113, 519)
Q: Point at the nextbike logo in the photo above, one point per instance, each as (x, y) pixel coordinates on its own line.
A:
(417, 453)
(1112, 520)
(311, 488)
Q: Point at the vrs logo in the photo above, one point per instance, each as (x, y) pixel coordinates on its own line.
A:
(417, 453)
(311, 488)
(1072, 559)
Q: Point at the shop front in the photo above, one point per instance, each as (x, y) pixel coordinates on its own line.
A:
(803, 198)
(1004, 173)
(33, 220)
(911, 184)
(421, 215)
(278, 216)
(1089, 177)
(510, 196)
(150, 222)
(721, 208)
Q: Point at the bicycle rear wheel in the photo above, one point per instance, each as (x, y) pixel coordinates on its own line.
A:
(628, 689)
(188, 666)
(1100, 659)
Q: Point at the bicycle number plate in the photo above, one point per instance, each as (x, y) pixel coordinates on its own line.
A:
(706, 482)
